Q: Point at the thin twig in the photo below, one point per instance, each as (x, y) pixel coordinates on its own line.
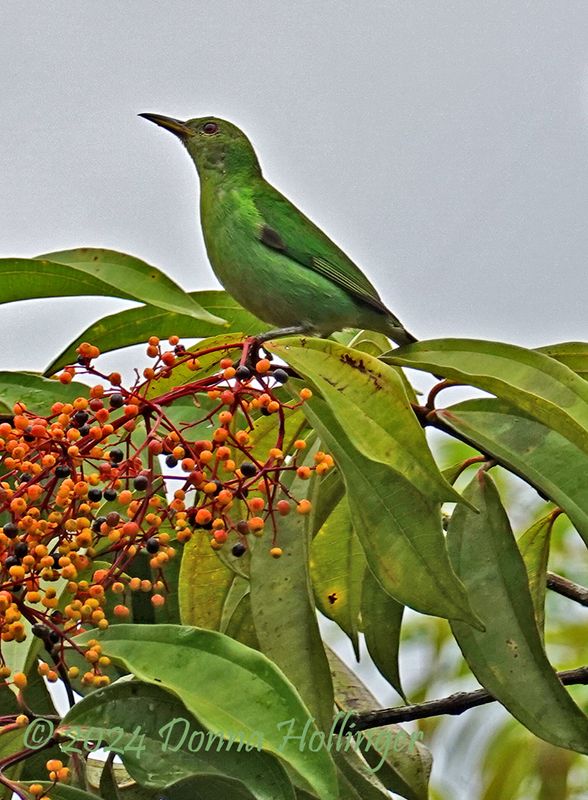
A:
(567, 588)
(453, 704)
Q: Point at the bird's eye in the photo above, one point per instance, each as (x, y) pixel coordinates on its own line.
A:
(209, 127)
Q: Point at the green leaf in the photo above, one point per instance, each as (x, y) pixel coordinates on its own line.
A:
(381, 617)
(136, 325)
(36, 392)
(331, 491)
(130, 277)
(108, 785)
(239, 621)
(573, 354)
(398, 759)
(508, 657)
(544, 458)
(399, 529)
(532, 382)
(204, 787)
(534, 546)
(284, 613)
(198, 665)
(168, 744)
(357, 780)
(356, 386)
(203, 585)
(63, 792)
(337, 567)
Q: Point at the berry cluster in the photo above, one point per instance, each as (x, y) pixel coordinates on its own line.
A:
(113, 474)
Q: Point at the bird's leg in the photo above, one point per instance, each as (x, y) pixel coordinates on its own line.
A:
(252, 344)
(277, 333)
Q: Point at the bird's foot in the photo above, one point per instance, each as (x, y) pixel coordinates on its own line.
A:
(250, 354)
(252, 345)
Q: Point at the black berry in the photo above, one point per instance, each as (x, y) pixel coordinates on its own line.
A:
(280, 375)
(116, 456)
(141, 482)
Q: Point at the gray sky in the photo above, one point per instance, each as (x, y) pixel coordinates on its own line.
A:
(443, 145)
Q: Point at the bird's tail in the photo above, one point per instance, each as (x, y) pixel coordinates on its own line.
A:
(398, 333)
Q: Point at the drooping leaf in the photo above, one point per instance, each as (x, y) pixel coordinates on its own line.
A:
(359, 387)
(337, 567)
(204, 584)
(36, 392)
(240, 624)
(357, 780)
(553, 464)
(127, 275)
(534, 546)
(399, 529)
(508, 657)
(136, 325)
(573, 354)
(530, 381)
(284, 613)
(206, 787)
(63, 792)
(188, 662)
(332, 490)
(168, 744)
(381, 617)
(399, 760)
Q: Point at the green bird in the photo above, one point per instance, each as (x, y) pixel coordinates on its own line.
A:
(264, 251)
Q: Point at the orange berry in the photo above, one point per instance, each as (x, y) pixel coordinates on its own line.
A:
(283, 507)
(300, 444)
(255, 524)
(20, 680)
(263, 365)
(203, 516)
(305, 394)
(304, 507)
(303, 472)
(121, 611)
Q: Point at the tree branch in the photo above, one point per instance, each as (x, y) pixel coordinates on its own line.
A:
(567, 588)
(453, 704)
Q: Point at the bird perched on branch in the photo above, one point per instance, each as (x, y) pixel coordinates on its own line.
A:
(265, 252)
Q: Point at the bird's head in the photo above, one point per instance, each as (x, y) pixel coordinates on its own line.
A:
(214, 144)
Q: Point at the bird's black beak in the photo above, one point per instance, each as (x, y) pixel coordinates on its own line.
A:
(175, 126)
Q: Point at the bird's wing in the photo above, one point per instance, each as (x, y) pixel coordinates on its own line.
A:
(284, 228)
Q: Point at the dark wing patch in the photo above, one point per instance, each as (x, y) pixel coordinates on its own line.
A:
(272, 238)
(282, 227)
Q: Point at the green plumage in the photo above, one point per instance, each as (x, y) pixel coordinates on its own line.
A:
(265, 252)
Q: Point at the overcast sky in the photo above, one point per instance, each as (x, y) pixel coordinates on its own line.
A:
(443, 145)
